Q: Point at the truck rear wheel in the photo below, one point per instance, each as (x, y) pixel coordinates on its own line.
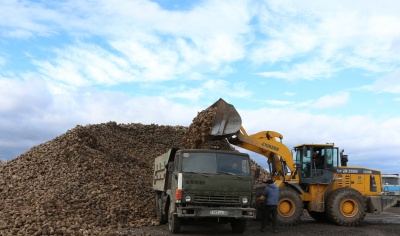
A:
(346, 207)
(238, 225)
(290, 206)
(161, 216)
(174, 223)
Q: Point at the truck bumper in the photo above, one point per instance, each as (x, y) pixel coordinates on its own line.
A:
(228, 212)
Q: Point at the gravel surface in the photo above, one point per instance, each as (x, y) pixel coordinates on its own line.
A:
(384, 224)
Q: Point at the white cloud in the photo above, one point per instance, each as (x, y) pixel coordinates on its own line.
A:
(331, 100)
(352, 133)
(309, 70)
(23, 19)
(387, 84)
(343, 35)
(22, 98)
(289, 94)
(84, 64)
(186, 55)
(216, 88)
(143, 41)
(278, 102)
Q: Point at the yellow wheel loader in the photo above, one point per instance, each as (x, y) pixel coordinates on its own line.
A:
(314, 177)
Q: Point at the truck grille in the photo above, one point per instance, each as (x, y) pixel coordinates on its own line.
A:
(222, 200)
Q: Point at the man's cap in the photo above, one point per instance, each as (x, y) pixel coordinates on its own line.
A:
(269, 181)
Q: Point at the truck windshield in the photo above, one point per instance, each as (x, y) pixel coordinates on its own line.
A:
(214, 163)
(391, 180)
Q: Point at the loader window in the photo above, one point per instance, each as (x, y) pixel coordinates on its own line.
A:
(305, 163)
(331, 157)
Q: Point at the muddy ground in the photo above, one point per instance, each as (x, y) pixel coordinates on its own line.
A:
(384, 224)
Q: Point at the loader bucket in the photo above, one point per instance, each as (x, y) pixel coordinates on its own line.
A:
(227, 120)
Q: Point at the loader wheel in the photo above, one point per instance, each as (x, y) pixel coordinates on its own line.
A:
(174, 223)
(290, 206)
(238, 225)
(346, 207)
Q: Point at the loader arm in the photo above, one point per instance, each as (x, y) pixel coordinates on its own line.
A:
(227, 123)
(266, 143)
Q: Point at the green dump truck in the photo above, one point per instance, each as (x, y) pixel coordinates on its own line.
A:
(192, 185)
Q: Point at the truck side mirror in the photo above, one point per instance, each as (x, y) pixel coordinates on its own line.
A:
(170, 166)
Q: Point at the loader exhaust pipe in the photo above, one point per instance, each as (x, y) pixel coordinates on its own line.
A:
(227, 121)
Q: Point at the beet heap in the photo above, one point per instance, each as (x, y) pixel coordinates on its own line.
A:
(92, 180)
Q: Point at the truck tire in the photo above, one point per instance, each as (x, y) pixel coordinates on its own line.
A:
(290, 206)
(174, 223)
(238, 225)
(161, 216)
(346, 207)
(319, 216)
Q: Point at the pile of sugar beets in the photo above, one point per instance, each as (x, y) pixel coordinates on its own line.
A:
(94, 179)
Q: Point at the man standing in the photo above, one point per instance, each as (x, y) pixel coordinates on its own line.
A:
(270, 208)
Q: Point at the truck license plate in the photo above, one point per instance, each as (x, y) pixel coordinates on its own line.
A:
(218, 212)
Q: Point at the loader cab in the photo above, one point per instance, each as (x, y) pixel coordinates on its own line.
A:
(316, 162)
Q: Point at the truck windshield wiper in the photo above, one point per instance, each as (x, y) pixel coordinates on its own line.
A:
(198, 173)
(229, 173)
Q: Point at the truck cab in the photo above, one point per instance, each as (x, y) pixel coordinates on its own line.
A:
(201, 184)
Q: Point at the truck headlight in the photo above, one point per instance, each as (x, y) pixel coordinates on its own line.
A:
(188, 198)
(245, 200)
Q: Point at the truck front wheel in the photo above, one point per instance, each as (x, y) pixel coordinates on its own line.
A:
(238, 225)
(174, 223)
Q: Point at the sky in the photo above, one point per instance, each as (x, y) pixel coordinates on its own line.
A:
(314, 71)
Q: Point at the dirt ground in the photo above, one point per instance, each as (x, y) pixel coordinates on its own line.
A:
(384, 224)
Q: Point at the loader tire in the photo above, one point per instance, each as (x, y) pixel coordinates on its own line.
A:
(346, 207)
(290, 206)
(174, 223)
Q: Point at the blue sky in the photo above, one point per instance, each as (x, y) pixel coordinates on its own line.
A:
(314, 71)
